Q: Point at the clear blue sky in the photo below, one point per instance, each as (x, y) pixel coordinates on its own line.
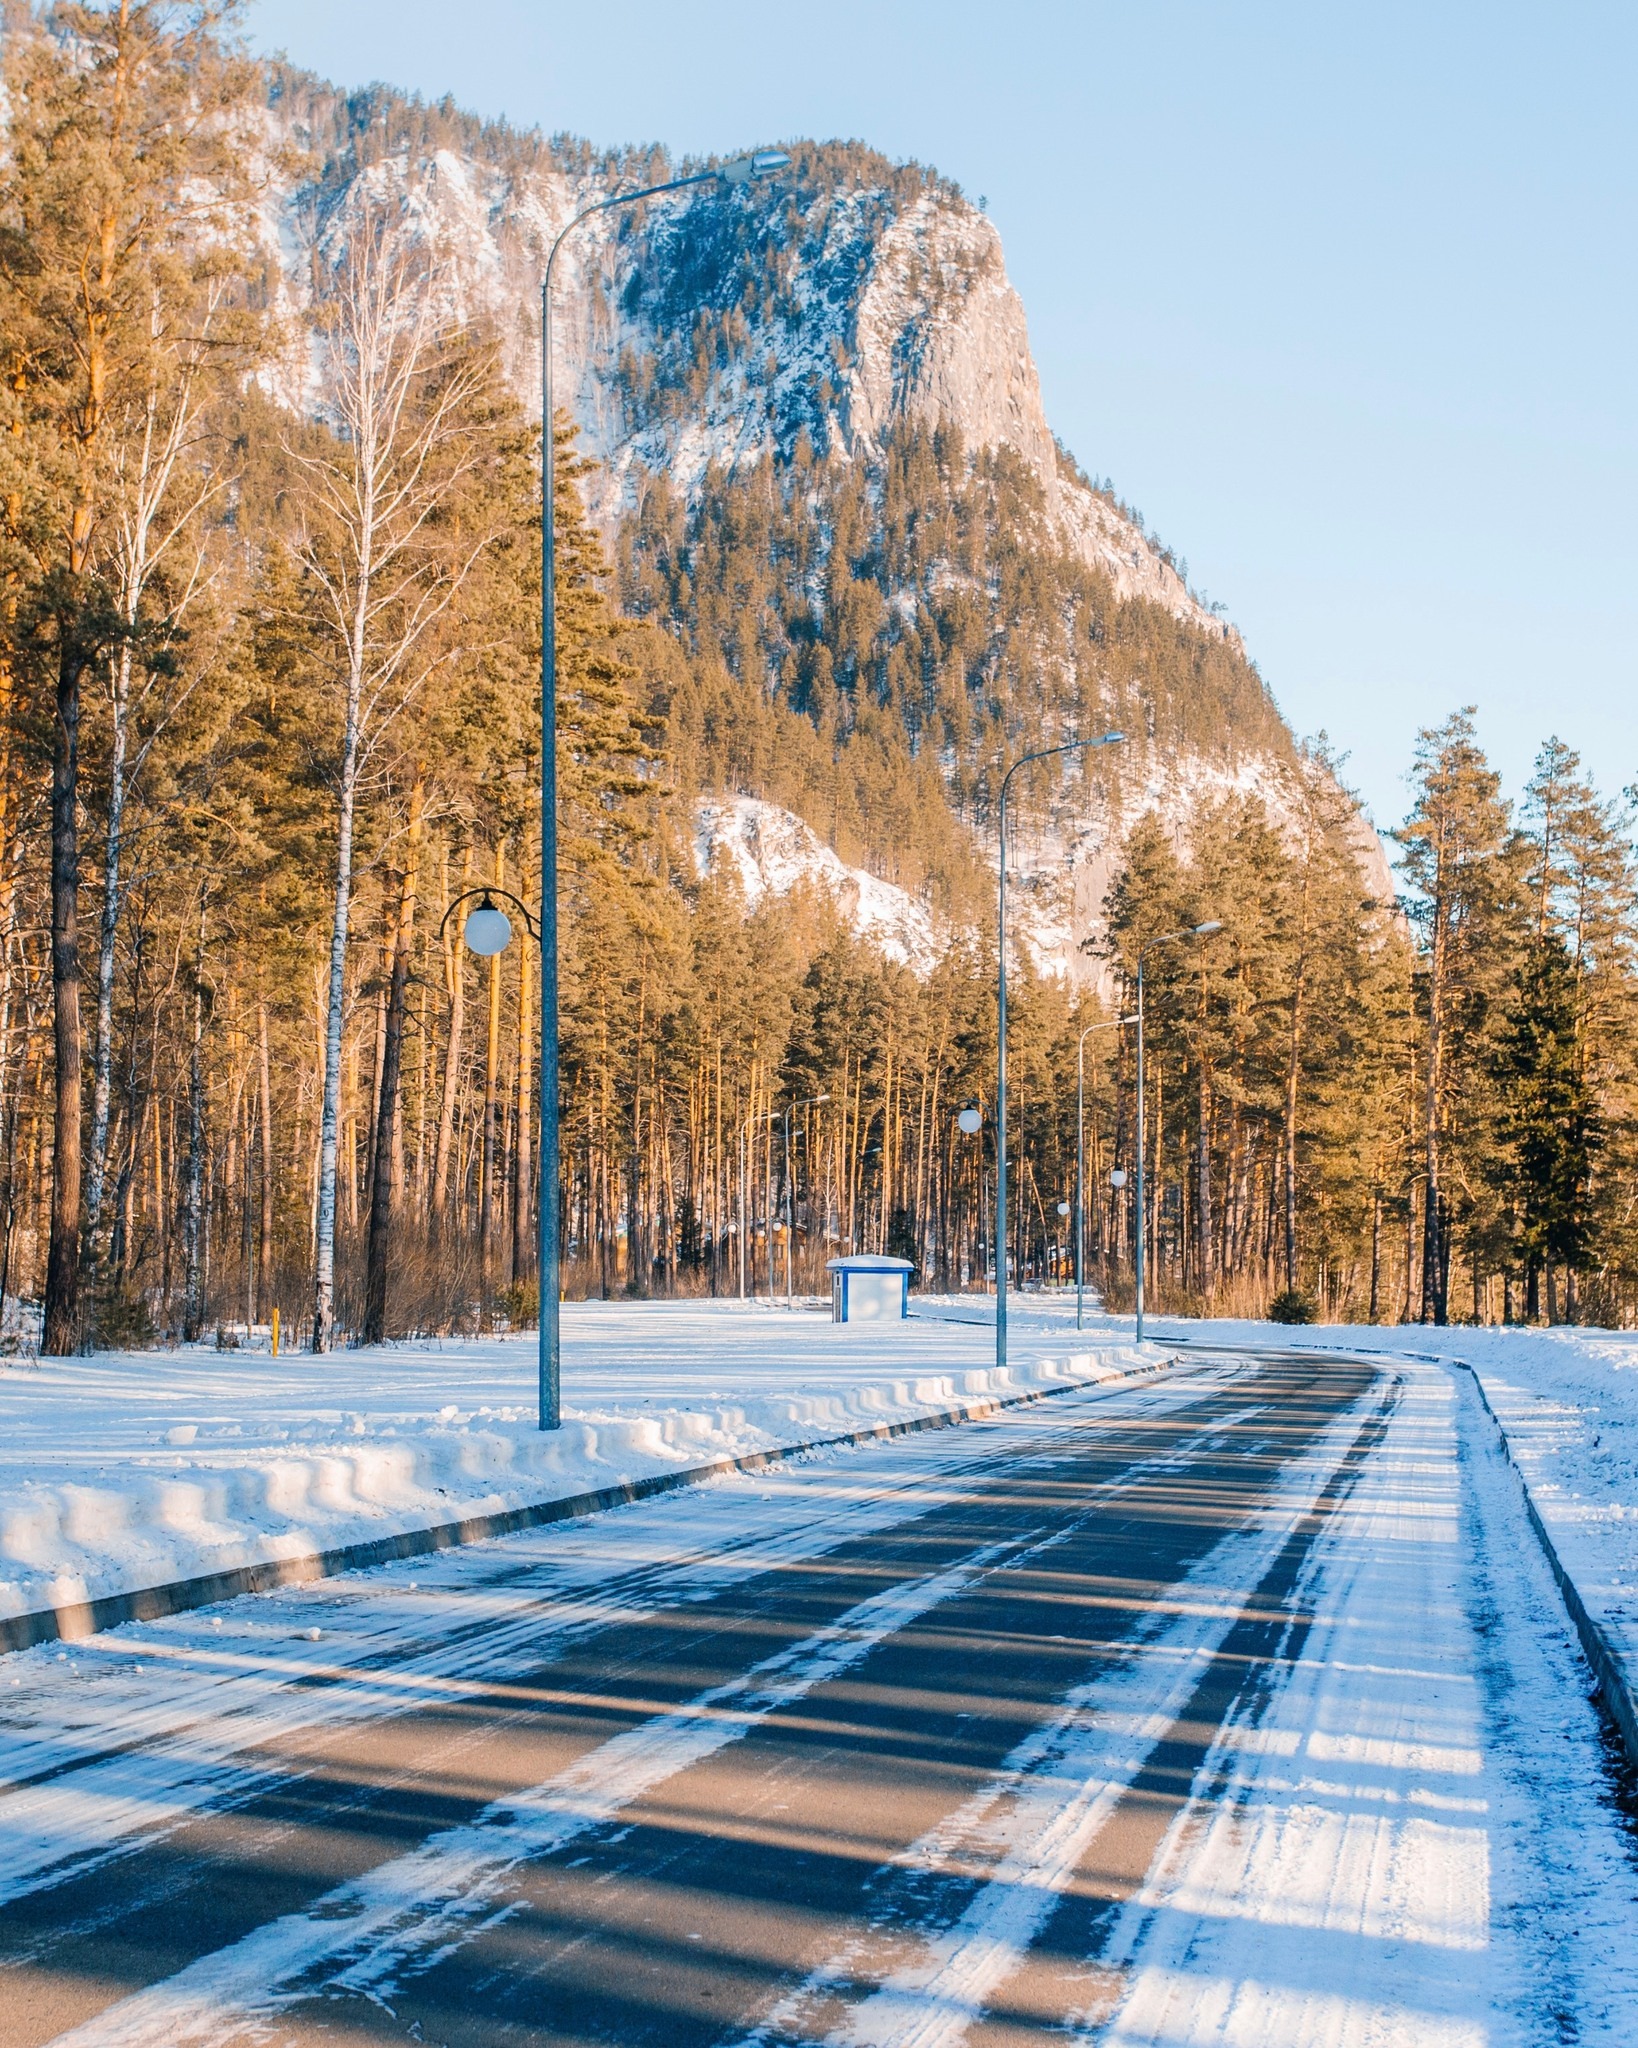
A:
(1341, 295)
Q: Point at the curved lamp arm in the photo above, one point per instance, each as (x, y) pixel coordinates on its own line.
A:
(488, 892)
(739, 171)
(1105, 1024)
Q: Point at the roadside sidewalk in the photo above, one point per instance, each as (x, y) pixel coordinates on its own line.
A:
(206, 1473)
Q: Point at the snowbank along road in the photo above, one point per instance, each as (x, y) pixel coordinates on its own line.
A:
(1237, 1707)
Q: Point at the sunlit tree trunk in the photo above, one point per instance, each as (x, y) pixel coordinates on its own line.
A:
(383, 1191)
(193, 1217)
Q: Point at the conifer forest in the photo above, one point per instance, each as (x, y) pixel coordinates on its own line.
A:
(269, 674)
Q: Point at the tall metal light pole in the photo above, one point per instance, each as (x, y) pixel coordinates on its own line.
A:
(807, 1102)
(1109, 1024)
(762, 1116)
(1108, 739)
(740, 171)
(1192, 931)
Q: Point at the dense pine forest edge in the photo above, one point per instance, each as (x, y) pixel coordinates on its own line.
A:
(267, 708)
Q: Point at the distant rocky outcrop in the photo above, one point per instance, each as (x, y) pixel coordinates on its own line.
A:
(894, 304)
(701, 333)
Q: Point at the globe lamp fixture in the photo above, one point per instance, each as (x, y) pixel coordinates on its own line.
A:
(1117, 1177)
(488, 929)
(971, 1121)
(1063, 1208)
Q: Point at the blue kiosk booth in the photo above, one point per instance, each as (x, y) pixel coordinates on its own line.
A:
(865, 1288)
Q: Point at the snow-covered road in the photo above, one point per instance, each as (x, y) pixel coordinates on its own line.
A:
(1238, 1707)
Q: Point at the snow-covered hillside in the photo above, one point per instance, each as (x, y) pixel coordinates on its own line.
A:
(1058, 877)
(770, 851)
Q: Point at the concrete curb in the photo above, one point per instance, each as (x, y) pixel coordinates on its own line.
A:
(77, 1619)
(1612, 1670)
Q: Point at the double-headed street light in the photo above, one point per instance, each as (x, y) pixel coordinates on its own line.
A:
(1107, 739)
(1193, 931)
(740, 171)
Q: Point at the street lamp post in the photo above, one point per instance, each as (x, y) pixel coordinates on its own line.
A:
(762, 1116)
(1192, 931)
(1107, 739)
(970, 1122)
(738, 172)
(487, 930)
(1109, 1024)
(807, 1102)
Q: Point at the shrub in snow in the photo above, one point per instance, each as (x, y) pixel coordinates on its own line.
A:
(122, 1320)
(520, 1304)
(1291, 1306)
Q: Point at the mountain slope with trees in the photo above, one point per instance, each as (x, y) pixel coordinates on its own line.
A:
(268, 657)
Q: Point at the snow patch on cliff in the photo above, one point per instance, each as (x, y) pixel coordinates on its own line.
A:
(771, 852)
(1060, 868)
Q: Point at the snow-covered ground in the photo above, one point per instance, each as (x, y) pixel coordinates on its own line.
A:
(131, 1470)
(135, 1469)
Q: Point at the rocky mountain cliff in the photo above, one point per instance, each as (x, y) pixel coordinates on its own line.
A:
(811, 327)
(890, 302)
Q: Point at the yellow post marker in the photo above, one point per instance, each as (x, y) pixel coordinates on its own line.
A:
(275, 1333)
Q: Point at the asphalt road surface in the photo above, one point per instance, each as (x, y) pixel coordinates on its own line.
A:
(1233, 1706)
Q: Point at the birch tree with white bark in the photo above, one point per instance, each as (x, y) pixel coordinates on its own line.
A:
(382, 563)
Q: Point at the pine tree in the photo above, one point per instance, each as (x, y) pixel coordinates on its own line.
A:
(1550, 1130)
(118, 118)
(1456, 851)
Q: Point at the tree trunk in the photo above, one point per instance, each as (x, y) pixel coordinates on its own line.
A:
(1433, 1296)
(1151, 1193)
(456, 981)
(102, 1054)
(1293, 1078)
(324, 1274)
(193, 1298)
(264, 1259)
(1376, 1250)
(60, 1335)
(247, 1235)
(379, 1056)
(383, 1190)
(1202, 1192)
(523, 1169)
